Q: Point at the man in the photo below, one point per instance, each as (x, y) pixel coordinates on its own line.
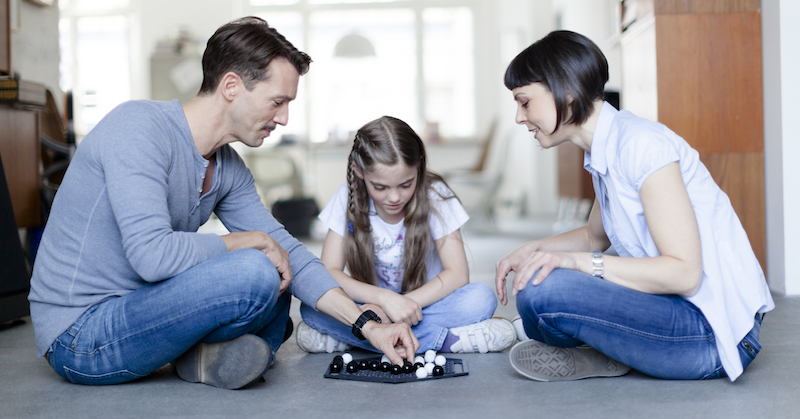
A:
(124, 284)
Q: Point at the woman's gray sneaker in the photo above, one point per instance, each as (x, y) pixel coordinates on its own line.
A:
(542, 362)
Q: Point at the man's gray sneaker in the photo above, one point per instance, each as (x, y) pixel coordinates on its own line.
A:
(231, 364)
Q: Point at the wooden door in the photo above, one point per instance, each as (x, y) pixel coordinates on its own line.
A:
(710, 93)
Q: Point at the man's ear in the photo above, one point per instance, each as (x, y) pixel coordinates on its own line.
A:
(229, 85)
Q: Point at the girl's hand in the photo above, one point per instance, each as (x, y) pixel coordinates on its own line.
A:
(400, 309)
(525, 261)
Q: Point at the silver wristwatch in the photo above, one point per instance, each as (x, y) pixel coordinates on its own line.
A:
(597, 264)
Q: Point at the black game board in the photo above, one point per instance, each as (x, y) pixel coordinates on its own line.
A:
(452, 368)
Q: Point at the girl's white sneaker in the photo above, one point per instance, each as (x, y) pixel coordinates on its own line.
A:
(492, 335)
(312, 341)
(517, 323)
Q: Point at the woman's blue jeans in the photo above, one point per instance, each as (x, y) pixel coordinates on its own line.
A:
(124, 338)
(469, 304)
(663, 336)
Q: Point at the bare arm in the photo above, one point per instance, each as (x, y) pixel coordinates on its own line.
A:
(454, 275)
(393, 339)
(673, 226)
(396, 308)
(526, 259)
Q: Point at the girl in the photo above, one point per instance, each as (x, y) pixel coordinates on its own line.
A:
(685, 298)
(395, 227)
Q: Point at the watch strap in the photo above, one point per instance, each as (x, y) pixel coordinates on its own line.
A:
(362, 320)
(597, 264)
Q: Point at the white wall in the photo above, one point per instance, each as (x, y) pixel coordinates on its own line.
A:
(597, 21)
(34, 48)
(781, 64)
(533, 170)
(530, 175)
(156, 20)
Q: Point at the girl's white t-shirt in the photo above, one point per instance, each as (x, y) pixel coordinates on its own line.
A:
(447, 217)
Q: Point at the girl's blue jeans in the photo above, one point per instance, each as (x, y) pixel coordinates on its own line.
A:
(469, 304)
(127, 337)
(663, 336)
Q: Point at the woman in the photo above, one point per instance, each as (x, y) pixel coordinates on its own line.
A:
(685, 297)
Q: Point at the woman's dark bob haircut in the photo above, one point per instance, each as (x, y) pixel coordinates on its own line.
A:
(570, 66)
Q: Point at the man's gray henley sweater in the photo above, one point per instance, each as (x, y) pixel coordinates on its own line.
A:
(128, 210)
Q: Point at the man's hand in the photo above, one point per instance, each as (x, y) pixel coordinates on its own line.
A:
(395, 340)
(267, 245)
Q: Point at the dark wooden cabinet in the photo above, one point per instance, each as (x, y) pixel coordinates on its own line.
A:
(19, 148)
(5, 37)
(20, 203)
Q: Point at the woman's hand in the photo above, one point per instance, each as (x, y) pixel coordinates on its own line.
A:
(525, 261)
(544, 262)
(561, 251)
(399, 308)
(511, 262)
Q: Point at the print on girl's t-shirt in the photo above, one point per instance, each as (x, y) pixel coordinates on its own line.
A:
(389, 262)
(447, 216)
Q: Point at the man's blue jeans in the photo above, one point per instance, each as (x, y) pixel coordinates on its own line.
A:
(469, 304)
(124, 338)
(663, 336)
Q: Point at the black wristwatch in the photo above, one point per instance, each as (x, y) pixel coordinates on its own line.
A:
(362, 320)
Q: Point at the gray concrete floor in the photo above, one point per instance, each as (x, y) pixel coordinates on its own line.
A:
(295, 386)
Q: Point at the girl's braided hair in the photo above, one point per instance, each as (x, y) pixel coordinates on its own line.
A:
(388, 141)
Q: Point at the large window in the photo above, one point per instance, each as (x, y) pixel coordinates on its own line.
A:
(95, 57)
(412, 59)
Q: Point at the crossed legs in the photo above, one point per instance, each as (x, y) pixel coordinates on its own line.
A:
(663, 336)
(127, 337)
